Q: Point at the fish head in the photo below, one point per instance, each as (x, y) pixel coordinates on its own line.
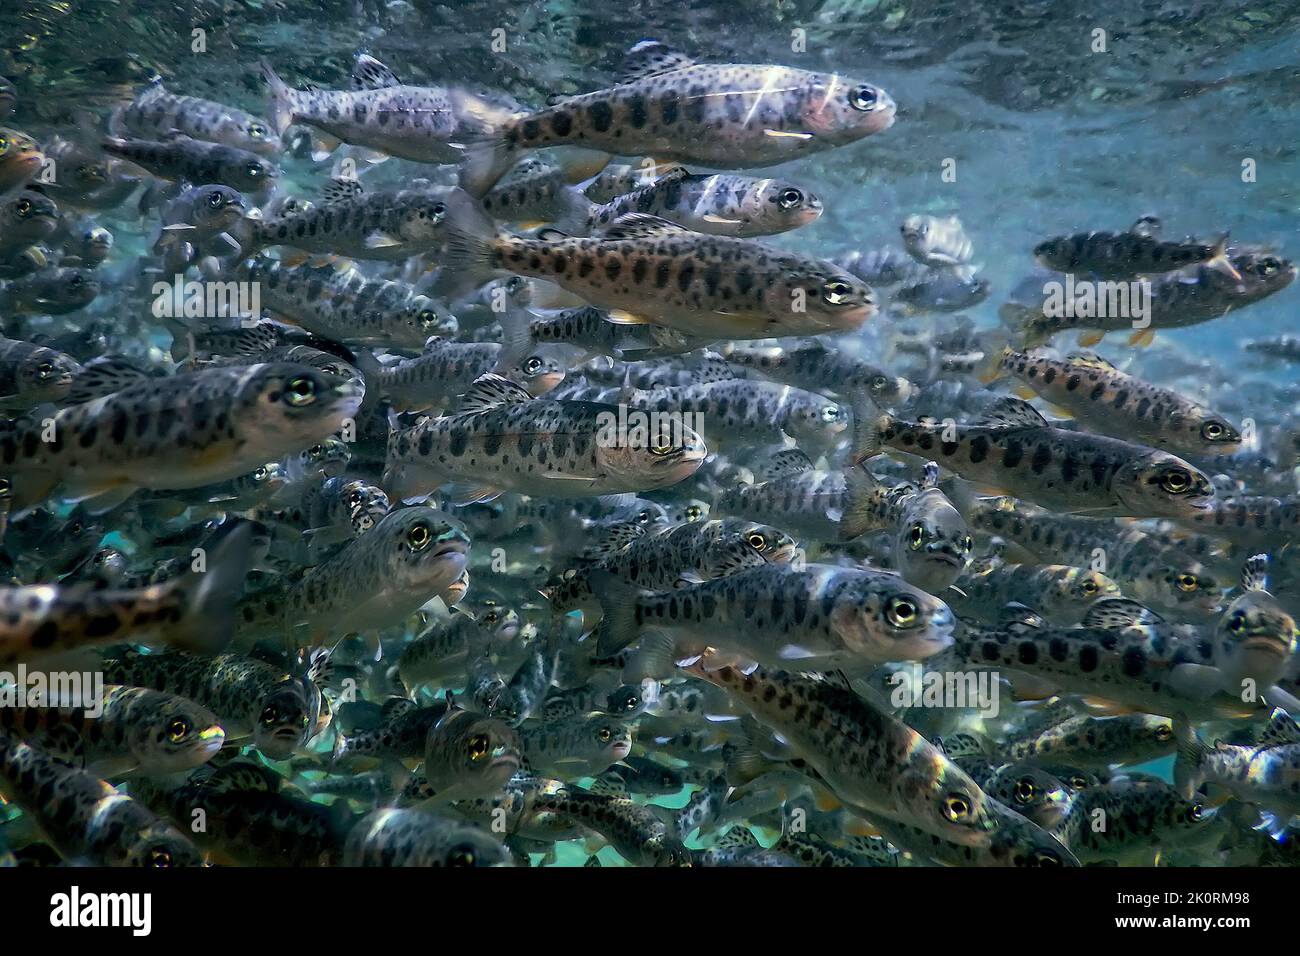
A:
(422, 320)
(255, 135)
(217, 208)
(607, 738)
(416, 551)
(817, 421)
(1032, 792)
(484, 749)
(843, 109)
(915, 231)
(772, 544)
(472, 847)
(253, 173)
(422, 218)
(1255, 639)
(288, 404)
(502, 624)
(1261, 274)
(29, 216)
(96, 243)
(328, 457)
(1071, 590)
(933, 544)
(365, 504)
(20, 157)
(816, 292)
(160, 846)
(286, 718)
(778, 206)
(1163, 486)
(1188, 590)
(538, 372)
(1018, 841)
(69, 288)
(662, 454)
(882, 617)
(262, 482)
(174, 735)
(47, 375)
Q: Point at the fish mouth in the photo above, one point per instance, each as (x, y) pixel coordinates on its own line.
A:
(622, 749)
(1273, 645)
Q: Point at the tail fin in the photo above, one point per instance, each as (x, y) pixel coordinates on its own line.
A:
(1191, 755)
(869, 420)
(469, 259)
(618, 626)
(281, 105)
(209, 594)
(486, 161)
(859, 496)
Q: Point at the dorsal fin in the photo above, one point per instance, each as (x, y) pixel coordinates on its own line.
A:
(1119, 612)
(930, 475)
(650, 58)
(1089, 360)
(491, 390)
(673, 174)
(103, 376)
(1281, 729)
(370, 74)
(1146, 226)
(1254, 574)
(1011, 412)
(738, 838)
(636, 225)
(783, 464)
(340, 188)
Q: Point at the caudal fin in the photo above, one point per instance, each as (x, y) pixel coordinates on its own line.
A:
(211, 591)
(469, 258)
(280, 109)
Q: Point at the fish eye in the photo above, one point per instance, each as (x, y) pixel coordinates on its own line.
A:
(1213, 431)
(1187, 582)
(461, 856)
(254, 170)
(24, 207)
(5, 487)
(160, 857)
(419, 536)
(354, 498)
(644, 517)
(901, 612)
(916, 537)
(216, 200)
(178, 730)
(693, 513)
(532, 365)
(256, 130)
(605, 735)
(1268, 266)
(836, 292)
(1089, 587)
(75, 529)
(967, 543)
(270, 714)
(790, 198)
(259, 475)
(478, 746)
(315, 451)
(1164, 732)
(301, 392)
(45, 369)
(1025, 790)
(1078, 783)
(490, 617)
(76, 282)
(4, 145)
(1196, 812)
(879, 382)
(756, 540)
(956, 806)
(1237, 624)
(1175, 481)
(830, 413)
(863, 98)
(427, 316)
(660, 446)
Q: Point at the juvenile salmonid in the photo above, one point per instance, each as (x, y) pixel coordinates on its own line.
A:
(722, 115)
(647, 270)
(155, 113)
